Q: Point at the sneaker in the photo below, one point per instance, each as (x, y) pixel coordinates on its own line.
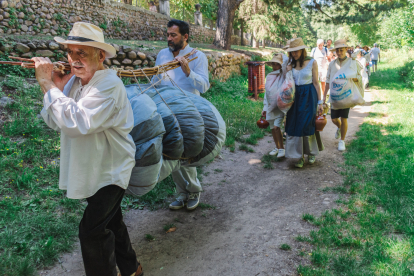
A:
(273, 152)
(341, 145)
(300, 163)
(180, 202)
(338, 133)
(311, 159)
(193, 201)
(281, 153)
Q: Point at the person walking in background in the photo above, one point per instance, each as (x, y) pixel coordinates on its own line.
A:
(152, 6)
(320, 54)
(364, 72)
(275, 116)
(329, 44)
(340, 116)
(375, 56)
(192, 77)
(300, 119)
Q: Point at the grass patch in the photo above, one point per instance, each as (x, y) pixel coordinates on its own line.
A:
(149, 237)
(206, 206)
(246, 148)
(285, 247)
(267, 161)
(168, 226)
(373, 231)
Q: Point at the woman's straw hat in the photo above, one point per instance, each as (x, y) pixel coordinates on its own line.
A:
(287, 45)
(276, 58)
(296, 44)
(89, 35)
(340, 43)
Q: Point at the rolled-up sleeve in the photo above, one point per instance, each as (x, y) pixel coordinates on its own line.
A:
(198, 77)
(93, 113)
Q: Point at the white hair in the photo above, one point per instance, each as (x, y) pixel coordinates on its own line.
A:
(320, 41)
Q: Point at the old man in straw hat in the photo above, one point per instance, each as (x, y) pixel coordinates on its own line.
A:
(89, 106)
(340, 116)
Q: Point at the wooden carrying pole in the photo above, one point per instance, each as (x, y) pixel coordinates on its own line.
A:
(144, 72)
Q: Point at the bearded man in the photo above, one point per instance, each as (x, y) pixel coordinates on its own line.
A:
(192, 77)
(89, 106)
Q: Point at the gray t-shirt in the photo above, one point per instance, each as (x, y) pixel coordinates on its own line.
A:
(374, 53)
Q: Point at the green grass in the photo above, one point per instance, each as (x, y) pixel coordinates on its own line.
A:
(149, 237)
(372, 233)
(285, 247)
(168, 226)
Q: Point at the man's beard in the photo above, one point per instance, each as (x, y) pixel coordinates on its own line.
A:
(176, 47)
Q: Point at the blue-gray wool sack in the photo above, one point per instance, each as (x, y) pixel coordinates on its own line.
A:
(147, 134)
(189, 119)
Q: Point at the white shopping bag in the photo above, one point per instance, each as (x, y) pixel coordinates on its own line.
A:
(345, 93)
(286, 93)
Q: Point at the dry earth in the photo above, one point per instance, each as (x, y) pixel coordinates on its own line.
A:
(257, 210)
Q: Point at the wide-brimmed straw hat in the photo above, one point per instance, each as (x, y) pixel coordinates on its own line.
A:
(287, 45)
(340, 43)
(296, 44)
(89, 35)
(276, 58)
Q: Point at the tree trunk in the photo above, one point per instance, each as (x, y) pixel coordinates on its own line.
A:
(242, 32)
(255, 42)
(264, 43)
(225, 17)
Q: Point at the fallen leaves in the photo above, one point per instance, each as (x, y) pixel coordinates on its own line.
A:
(172, 229)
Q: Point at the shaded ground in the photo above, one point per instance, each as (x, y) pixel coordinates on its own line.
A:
(257, 210)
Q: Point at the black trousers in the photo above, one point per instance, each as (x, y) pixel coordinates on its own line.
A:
(104, 236)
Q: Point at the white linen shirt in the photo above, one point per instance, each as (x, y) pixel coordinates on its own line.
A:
(197, 82)
(96, 149)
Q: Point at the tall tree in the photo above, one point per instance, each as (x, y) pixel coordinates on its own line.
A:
(225, 17)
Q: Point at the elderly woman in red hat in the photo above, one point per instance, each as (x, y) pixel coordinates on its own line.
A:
(300, 120)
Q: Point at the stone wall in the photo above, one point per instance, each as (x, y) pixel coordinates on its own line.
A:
(221, 64)
(118, 20)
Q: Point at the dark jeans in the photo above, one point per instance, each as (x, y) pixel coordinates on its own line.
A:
(104, 237)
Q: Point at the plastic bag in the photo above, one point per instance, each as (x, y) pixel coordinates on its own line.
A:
(345, 93)
(286, 94)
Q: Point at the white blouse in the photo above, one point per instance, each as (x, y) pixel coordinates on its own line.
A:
(96, 149)
(303, 76)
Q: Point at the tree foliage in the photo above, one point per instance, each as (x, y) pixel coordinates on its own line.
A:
(273, 22)
(397, 28)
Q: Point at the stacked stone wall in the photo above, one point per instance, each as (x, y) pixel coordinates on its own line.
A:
(118, 20)
(221, 64)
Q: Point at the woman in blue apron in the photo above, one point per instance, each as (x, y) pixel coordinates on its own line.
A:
(300, 120)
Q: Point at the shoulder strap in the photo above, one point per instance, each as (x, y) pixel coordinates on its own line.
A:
(313, 51)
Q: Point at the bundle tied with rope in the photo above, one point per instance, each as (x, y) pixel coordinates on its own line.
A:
(137, 73)
(193, 131)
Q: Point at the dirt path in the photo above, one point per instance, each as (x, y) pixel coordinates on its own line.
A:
(257, 210)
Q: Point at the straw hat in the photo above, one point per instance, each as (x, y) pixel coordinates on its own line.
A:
(340, 43)
(276, 58)
(296, 44)
(287, 44)
(89, 35)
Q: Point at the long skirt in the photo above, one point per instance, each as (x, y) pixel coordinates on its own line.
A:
(300, 124)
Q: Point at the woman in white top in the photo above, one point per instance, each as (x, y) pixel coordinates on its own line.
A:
(273, 114)
(300, 120)
(320, 54)
(364, 72)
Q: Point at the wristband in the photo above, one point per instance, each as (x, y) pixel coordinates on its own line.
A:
(320, 102)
